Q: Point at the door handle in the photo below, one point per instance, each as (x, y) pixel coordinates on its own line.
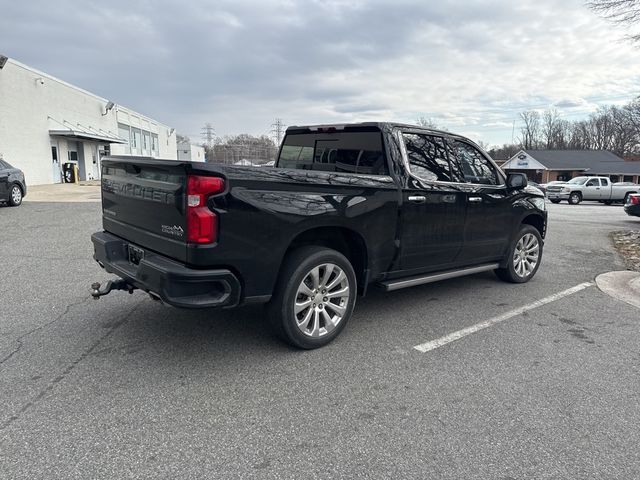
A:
(417, 198)
(475, 199)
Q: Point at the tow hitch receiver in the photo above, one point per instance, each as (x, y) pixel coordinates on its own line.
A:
(97, 291)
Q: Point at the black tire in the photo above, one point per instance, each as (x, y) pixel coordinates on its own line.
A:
(509, 273)
(575, 198)
(556, 201)
(15, 195)
(608, 202)
(296, 269)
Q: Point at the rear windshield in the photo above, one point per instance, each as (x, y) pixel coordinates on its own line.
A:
(346, 152)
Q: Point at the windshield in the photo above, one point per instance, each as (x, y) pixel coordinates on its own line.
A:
(578, 180)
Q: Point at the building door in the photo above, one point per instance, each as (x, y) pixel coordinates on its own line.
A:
(55, 163)
(95, 162)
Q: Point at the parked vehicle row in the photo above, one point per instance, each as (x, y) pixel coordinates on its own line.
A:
(13, 187)
(346, 208)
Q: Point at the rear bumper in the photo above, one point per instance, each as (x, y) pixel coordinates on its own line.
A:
(173, 282)
(633, 210)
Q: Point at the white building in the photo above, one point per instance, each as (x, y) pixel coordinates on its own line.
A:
(190, 152)
(46, 122)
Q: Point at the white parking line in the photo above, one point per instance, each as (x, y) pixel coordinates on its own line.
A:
(452, 337)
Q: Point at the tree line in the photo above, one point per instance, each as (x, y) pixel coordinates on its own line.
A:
(613, 128)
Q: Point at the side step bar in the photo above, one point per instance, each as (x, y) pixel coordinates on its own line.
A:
(391, 285)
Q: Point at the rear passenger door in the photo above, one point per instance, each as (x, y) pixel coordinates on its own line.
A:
(490, 215)
(433, 206)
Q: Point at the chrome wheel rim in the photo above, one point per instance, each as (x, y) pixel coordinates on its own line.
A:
(525, 256)
(16, 195)
(321, 300)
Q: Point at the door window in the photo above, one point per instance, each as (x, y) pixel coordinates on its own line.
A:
(593, 183)
(474, 166)
(427, 157)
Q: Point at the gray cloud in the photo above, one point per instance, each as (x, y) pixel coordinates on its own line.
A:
(473, 65)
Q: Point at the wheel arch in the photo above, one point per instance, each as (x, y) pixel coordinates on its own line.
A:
(536, 221)
(342, 239)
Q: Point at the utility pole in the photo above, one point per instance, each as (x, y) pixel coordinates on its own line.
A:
(207, 134)
(278, 130)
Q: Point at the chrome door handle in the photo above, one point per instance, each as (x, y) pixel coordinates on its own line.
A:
(417, 198)
(475, 199)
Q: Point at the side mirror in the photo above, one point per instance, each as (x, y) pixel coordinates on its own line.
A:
(516, 180)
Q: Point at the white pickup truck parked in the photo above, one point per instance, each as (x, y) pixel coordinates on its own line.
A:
(599, 189)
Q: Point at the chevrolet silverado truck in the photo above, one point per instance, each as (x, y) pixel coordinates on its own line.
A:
(599, 189)
(344, 209)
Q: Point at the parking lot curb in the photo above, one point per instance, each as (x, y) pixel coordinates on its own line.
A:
(622, 285)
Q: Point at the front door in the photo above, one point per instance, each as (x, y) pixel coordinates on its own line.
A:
(489, 206)
(433, 207)
(592, 190)
(55, 163)
(4, 181)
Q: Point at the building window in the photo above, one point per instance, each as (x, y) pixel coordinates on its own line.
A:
(154, 144)
(124, 132)
(627, 178)
(136, 140)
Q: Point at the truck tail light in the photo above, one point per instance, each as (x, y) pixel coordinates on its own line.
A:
(202, 223)
(634, 199)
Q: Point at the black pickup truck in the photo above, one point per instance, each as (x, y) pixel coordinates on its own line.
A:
(345, 208)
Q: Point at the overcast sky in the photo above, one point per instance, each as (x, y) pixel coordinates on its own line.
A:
(470, 65)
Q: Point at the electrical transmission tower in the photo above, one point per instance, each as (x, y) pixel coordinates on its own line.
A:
(278, 130)
(207, 134)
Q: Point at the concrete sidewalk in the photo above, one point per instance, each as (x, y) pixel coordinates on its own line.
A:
(64, 192)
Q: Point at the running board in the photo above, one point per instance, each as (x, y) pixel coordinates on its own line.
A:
(391, 285)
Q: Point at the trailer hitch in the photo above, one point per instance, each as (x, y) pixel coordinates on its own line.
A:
(97, 291)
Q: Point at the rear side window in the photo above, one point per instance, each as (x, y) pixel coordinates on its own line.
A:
(344, 152)
(427, 157)
(605, 182)
(476, 168)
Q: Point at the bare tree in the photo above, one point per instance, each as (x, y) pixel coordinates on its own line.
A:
(427, 122)
(530, 131)
(551, 128)
(622, 12)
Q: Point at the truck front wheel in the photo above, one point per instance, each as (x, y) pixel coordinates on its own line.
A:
(575, 198)
(314, 297)
(524, 256)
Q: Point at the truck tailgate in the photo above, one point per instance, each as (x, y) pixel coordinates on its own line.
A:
(143, 201)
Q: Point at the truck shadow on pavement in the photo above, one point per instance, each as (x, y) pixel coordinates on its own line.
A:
(162, 331)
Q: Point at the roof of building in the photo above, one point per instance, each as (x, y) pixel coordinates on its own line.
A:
(591, 161)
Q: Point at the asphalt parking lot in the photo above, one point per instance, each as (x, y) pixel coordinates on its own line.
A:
(126, 388)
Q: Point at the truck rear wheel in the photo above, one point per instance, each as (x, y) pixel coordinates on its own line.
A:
(524, 256)
(314, 297)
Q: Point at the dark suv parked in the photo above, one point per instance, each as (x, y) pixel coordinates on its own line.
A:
(13, 188)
